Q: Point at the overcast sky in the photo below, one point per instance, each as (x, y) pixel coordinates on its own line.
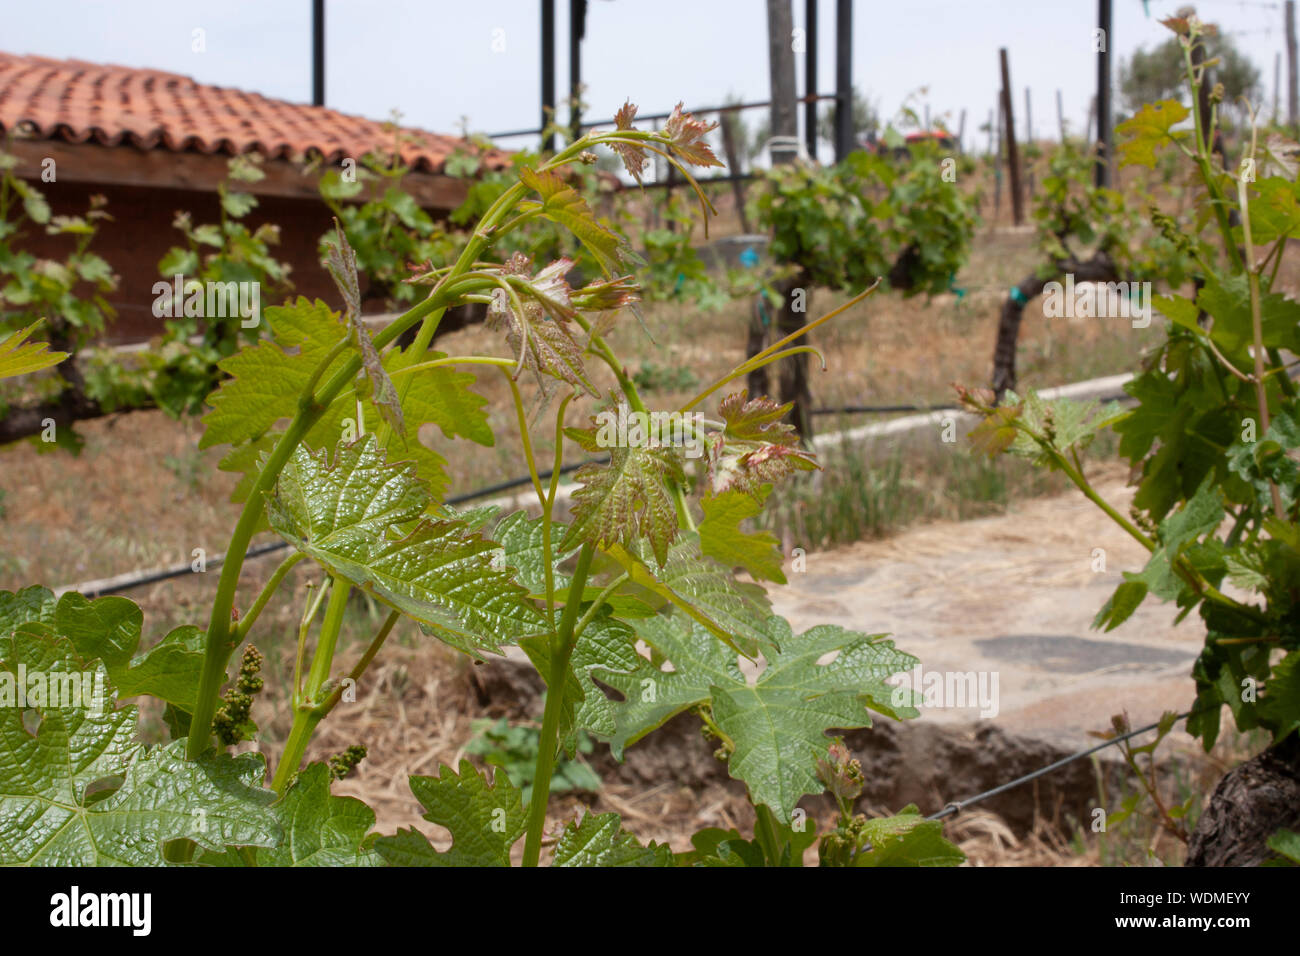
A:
(438, 61)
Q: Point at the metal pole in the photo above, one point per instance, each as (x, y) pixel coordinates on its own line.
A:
(577, 30)
(548, 71)
(810, 77)
(318, 52)
(843, 79)
(1291, 91)
(1104, 132)
(784, 122)
(1013, 155)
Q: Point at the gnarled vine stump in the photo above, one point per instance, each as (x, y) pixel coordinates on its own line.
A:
(1248, 806)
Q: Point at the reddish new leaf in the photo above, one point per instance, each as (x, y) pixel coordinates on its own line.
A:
(685, 136)
(633, 156)
(755, 447)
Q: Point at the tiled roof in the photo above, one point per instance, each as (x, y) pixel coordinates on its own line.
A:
(83, 102)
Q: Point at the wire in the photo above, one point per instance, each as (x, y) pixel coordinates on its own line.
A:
(957, 806)
(132, 580)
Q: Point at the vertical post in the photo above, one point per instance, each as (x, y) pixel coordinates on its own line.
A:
(577, 30)
(730, 149)
(998, 164)
(1291, 91)
(1203, 97)
(927, 117)
(784, 121)
(318, 52)
(793, 373)
(810, 77)
(548, 72)
(1029, 144)
(961, 133)
(1013, 155)
(1060, 115)
(1104, 132)
(843, 79)
(1277, 87)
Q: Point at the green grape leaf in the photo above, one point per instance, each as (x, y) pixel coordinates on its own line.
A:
(244, 413)
(715, 847)
(1150, 130)
(53, 782)
(606, 644)
(906, 839)
(109, 629)
(1128, 597)
(437, 572)
(1201, 515)
(775, 726)
(1287, 843)
(1279, 708)
(721, 538)
(1228, 303)
(31, 604)
(321, 829)
(238, 205)
(1275, 212)
(600, 840)
(731, 610)
(266, 379)
(1068, 426)
(523, 547)
(18, 356)
(627, 499)
(563, 205)
(485, 819)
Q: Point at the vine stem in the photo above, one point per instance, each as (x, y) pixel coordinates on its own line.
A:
(562, 642)
(601, 349)
(548, 507)
(271, 586)
(767, 833)
(1256, 320)
(596, 605)
(217, 643)
(307, 714)
(1202, 587)
(770, 353)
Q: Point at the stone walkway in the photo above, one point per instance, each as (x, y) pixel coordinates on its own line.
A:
(1011, 599)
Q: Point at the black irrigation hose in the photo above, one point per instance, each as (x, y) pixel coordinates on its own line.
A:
(887, 409)
(957, 806)
(129, 582)
(872, 409)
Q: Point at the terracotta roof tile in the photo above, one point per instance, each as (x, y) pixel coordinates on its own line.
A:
(116, 105)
